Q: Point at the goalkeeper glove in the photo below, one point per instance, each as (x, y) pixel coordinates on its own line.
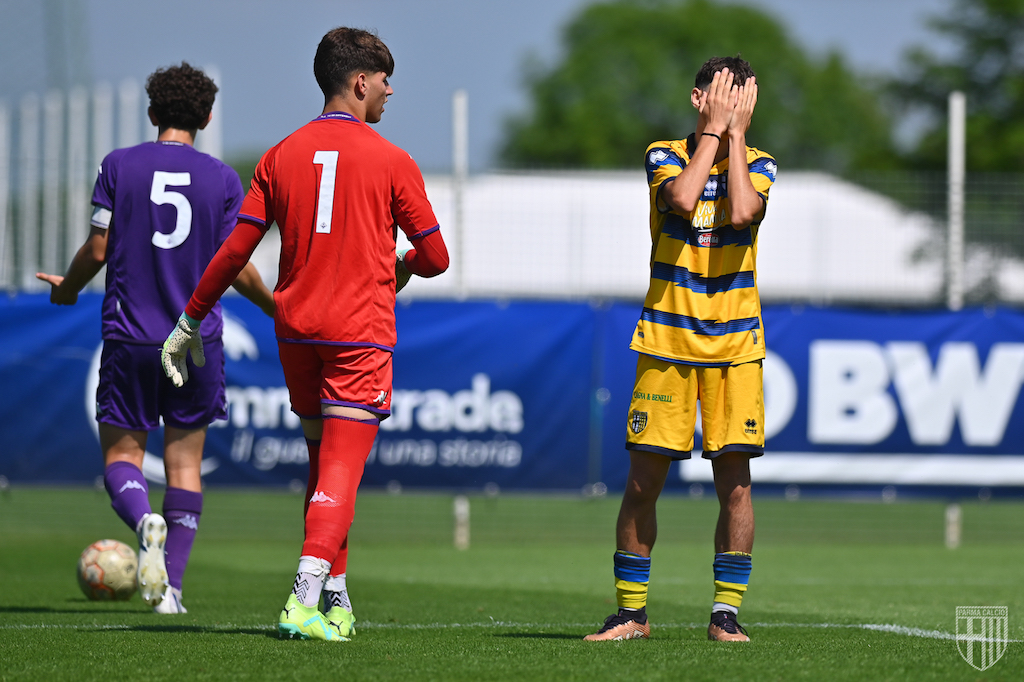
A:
(183, 338)
(402, 276)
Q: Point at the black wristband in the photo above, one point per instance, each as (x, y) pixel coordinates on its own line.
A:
(712, 135)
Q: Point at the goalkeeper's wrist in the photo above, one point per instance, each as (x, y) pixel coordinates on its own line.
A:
(192, 322)
(195, 312)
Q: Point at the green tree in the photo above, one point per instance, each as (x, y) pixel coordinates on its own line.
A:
(988, 65)
(626, 76)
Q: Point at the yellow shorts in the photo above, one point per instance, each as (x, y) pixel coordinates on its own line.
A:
(663, 411)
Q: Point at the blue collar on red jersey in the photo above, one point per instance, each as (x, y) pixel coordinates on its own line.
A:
(344, 116)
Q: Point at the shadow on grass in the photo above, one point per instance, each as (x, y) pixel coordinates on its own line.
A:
(538, 635)
(192, 629)
(50, 609)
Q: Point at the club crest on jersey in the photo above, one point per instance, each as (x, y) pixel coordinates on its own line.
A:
(637, 421)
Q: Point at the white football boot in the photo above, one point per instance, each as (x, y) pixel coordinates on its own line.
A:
(152, 532)
(171, 602)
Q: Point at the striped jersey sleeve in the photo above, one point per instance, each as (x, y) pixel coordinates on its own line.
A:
(663, 165)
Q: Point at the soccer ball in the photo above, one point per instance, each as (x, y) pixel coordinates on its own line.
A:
(106, 570)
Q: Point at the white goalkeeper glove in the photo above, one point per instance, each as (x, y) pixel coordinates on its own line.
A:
(184, 338)
(402, 276)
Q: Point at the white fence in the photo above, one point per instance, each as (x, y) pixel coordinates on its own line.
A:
(50, 148)
(823, 240)
(539, 234)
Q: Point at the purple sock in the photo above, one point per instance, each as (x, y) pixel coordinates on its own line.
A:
(129, 492)
(181, 510)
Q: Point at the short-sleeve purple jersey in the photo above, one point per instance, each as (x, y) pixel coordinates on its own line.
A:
(171, 207)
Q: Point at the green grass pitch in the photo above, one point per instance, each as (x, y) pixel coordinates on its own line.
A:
(840, 591)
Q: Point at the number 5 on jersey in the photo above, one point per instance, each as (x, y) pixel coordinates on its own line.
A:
(325, 194)
(159, 195)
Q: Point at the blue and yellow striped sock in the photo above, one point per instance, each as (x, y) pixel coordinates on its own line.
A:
(732, 574)
(632, 573)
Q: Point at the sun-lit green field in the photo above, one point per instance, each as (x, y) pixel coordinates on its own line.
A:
(840, 591)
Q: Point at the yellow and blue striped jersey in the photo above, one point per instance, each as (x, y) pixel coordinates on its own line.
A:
(702, 307)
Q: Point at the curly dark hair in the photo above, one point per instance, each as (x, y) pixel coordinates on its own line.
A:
(180, 96)
(343, 52)
(739, 67)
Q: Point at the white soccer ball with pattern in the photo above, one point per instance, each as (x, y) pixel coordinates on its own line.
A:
(107, 570)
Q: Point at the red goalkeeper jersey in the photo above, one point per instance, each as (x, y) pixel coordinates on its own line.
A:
(337, 190)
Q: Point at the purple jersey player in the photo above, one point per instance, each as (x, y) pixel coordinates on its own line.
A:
(162, 209)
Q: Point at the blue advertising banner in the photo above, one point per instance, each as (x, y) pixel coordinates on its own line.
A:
(858, 397)
(483, 393)
(534, 395)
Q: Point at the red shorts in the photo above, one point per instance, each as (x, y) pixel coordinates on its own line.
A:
(319, 374)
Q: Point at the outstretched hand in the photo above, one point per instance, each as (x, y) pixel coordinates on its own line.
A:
(58, 295)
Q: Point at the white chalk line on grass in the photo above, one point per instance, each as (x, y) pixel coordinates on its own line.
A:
(875, 627)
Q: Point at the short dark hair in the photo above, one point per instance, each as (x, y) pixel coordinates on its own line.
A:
(739, 67)
(343, 52)
(180, 96)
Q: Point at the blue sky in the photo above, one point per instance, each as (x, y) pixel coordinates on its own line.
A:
(264, 49)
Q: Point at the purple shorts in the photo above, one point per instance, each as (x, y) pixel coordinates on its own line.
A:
(133, 392)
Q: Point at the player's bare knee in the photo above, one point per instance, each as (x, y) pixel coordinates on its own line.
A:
(734, 497)
(731, 469)
(642, 491)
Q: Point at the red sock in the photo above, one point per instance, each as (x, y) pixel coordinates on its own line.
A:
(340, 563)
(314, 463)
(346, 444)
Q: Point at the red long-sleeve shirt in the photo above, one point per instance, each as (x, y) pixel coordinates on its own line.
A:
(337, 190)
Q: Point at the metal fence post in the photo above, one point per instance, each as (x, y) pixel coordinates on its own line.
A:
(957, 160)
(460, 170)
(28, 197)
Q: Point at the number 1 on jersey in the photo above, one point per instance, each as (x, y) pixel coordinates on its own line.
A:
(325, 195)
